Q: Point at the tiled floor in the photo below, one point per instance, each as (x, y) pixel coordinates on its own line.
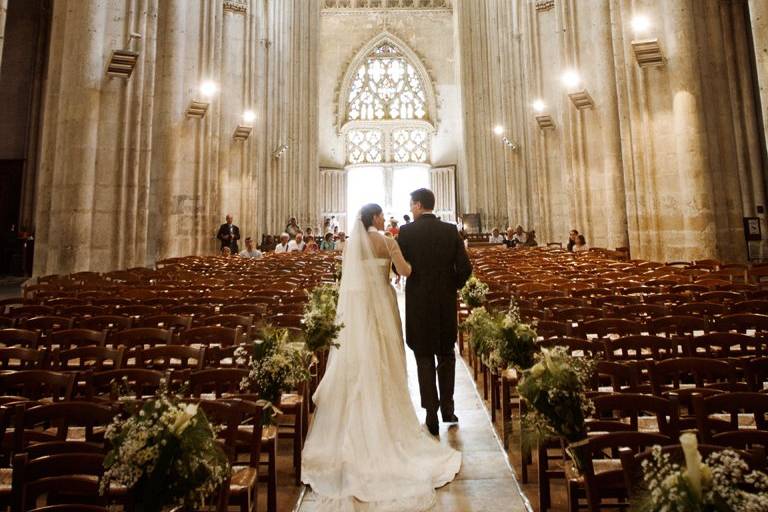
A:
(486, 482)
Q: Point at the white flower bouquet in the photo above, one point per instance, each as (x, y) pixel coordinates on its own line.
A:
(320, 327)
(722, 483)
(474, 292)
(166, 454)
(276, 365)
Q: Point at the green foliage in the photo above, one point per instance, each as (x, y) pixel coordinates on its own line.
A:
(166, 454)
(474, 292)
(320, 327)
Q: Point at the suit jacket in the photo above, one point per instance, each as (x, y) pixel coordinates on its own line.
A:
(226, 241)
(440, 267)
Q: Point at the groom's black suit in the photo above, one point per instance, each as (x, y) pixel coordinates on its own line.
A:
(440, 267)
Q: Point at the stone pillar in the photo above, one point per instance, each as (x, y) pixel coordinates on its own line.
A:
(3, 13)
(68, 213)
(691, 191)
(758, 13)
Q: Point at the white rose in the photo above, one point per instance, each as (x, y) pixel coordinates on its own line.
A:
(692, 461)
(183, 419)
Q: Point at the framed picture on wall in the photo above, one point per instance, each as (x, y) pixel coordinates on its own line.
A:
(752, 231)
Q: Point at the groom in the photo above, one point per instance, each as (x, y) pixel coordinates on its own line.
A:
(440, 267)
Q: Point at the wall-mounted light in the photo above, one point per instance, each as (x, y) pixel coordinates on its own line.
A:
(647, 51)
(122, 62)
(280, 151)
(498, 129)
(243, 130)
(571, 79)
(198, 108)
(511, 145)
(538, 106)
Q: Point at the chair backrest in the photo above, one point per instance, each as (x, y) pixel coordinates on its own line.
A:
(230, 320)
(170, 357)
(678, 325)
(631, 408)
(709, 309)
(37, 384)
(105, 323)
(750, 306)
(642, 347)
(73, 338)
(47, 323)
(702, 372)
(165, 321)
(217, 381)
(743, 322)
(726, 344)
(110, 384)
(20, 358)
(53, 422)
(210, 335)
(141, 337)
(576, 346)
(621, 377)
(744, 410)
(87, 358)
(757, 373)
(62, 478)
(21, 337)
(604, 327)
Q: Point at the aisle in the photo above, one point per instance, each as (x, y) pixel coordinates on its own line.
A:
(486, 482)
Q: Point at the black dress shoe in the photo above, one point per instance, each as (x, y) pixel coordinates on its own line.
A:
(451, 418)
(432, 424)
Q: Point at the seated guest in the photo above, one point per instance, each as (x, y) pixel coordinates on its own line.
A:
(282, 247)
(327, 228)
(572, 239)
(268, 244)
(581, 244)
(250, 251)
(298, 244)
(341, 242)
(532, 242)
(311, 245)
(226, 251)
(509, 240)
(495, 237)
(292, 228)
(327, 243)
(393, 229)
(520, 236)
(308, 234)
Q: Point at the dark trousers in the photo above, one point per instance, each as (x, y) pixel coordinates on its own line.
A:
(446, 374)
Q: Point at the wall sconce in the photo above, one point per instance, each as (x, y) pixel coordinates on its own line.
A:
(579, 97)
(647, 51)
(511, 145)
(198, 108)
(544, 120)
(280, 151)
(243, 131)
(122, 62)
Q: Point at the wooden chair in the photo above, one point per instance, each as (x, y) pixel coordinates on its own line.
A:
(174, 323)
(82, 359)
(726, 345)
(29, 311)
(19, 337)
(603, 478)
(84, 310)
(605, 327)
(638, 412)
(73, 338)
(678, 326)
(210, 335)
(141, 337)
(701, 372)
(61, 421)
(37, 384)
(750, 306)
(109, 323)
(170, 357)
(106, 385)
(743, 410)
(743, 323)
(642, 348)
(20, 358)
(46, 323)
(756, 371)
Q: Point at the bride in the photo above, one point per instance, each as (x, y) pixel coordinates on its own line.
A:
(366, 450)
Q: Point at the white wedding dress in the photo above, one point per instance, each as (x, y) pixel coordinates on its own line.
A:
(366, 449)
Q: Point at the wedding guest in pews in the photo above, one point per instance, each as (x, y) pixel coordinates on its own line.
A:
(509, 240)
(268, 244)
(250, 251)
(308, 234)
(282, 247)
(520, 236)
(226, 251)
(341, 242)
(229, 234)
(495, 237)
(327, 243)
(572, 239)
(292, 228)
(311, 245)
(532, 242)
(581, 244)
(297, 244)
(327, 228)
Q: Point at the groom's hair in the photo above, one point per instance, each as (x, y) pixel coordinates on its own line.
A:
(425, 197)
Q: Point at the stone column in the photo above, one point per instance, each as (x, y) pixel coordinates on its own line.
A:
(758, 14)
(68, 213)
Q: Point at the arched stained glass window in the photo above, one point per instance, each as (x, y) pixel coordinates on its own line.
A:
(386, 86)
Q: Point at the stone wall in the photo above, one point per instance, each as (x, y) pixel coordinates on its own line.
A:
(126, 177)
(667, 160)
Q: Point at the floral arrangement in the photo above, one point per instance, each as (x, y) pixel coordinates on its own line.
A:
(166, 454)
(723, 483)
(555, 389)
(275, 364)
(501, 340)
(320, 327)
(474, 292)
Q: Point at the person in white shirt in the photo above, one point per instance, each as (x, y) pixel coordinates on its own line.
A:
(581, 244)
(250, 251)
(341, 242)
(495, 237)
(298, 244)
(520, 236)
(282, 247)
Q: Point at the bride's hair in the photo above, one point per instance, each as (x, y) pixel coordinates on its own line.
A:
(368, 212)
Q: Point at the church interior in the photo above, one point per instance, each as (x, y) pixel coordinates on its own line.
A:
(604, 163)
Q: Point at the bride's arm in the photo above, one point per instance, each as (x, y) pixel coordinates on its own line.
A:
(403, 267)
